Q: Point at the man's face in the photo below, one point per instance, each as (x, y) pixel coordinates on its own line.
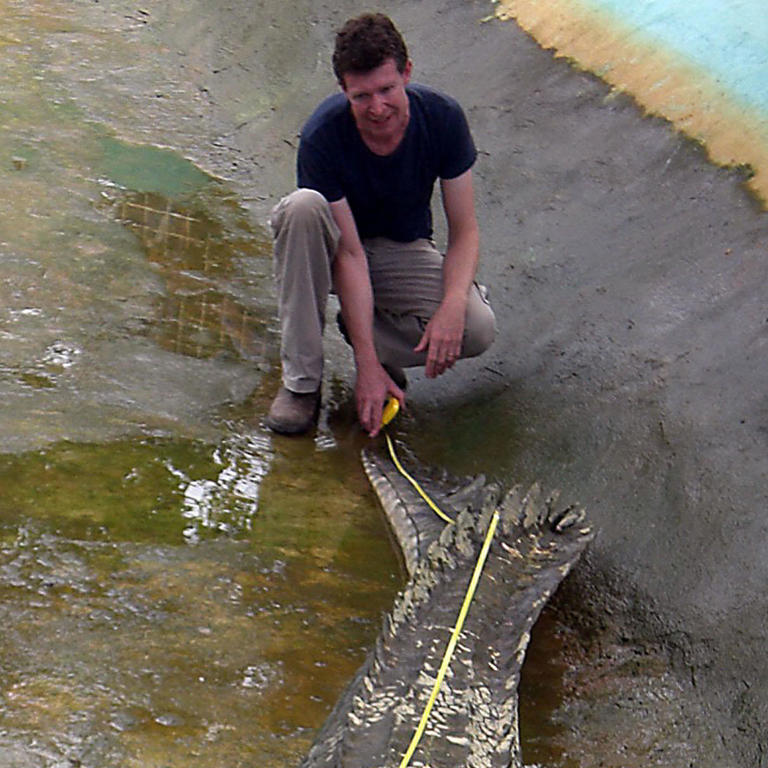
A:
(378, 100)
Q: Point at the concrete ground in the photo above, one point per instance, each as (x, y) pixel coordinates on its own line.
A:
(628, 275)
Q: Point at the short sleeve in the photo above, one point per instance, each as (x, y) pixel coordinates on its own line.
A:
(458, 148)
(314, 170)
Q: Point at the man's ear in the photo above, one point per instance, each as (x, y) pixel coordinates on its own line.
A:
(407, 70)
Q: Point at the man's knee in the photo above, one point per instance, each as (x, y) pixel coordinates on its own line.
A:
(301, 207)
(480, 329)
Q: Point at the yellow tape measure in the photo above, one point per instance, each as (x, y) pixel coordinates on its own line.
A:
(390, 410)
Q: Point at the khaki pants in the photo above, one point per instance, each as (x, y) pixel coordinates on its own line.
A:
(407, 289)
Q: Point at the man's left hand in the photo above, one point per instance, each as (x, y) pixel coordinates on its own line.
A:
(442, 337)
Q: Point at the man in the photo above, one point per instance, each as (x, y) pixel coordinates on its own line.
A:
(360, 224)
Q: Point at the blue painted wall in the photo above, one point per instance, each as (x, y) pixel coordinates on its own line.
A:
(726, 38)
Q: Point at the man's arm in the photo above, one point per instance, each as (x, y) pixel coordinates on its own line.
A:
(353, 286)
(443, 335)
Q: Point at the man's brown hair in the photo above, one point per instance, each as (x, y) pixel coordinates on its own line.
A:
(366, 42)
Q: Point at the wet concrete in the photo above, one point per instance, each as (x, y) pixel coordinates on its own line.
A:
(627, 275)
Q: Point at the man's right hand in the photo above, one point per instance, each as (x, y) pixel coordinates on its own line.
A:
(372, 389)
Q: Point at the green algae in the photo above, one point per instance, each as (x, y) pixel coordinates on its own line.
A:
(143, 168)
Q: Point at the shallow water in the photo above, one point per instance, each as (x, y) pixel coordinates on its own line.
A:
(161, 601)
(80, 299)
(171, 587)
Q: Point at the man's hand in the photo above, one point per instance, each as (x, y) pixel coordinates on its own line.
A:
(443, 336)
(372, 389)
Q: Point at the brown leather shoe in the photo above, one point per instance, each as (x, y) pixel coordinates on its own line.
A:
(293, 413)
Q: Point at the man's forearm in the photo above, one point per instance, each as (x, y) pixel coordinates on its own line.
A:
(353, 285)
(353, 288)
(460, 265)
(373, 384)
(462, 253)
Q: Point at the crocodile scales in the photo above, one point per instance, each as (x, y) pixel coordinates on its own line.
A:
(474, 721)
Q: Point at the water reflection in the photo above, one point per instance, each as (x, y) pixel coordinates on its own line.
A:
(228, 503)
(122, 645)
(192, 254)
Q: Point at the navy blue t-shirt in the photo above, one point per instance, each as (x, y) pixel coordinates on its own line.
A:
(389, 196)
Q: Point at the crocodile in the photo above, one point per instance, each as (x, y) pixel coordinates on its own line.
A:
(474, 721)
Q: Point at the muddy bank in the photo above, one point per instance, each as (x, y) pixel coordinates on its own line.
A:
(627, 274)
